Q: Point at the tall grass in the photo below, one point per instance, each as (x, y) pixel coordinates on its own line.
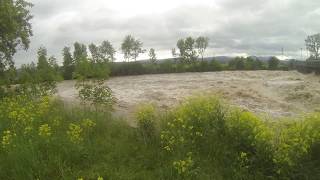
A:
(203, 138)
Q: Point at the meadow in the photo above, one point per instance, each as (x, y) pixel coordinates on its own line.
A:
(202, 138)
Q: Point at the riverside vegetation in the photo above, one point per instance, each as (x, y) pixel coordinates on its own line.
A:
(203, 138)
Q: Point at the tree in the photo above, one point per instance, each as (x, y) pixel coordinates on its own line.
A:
(42, 58)
(68, 63)
(214, 65)
(202, 44)
(107, 51)
(273, 63)
(187, 49)
(181, 47)
(131, 48)
(127, 47)
(190, 52)
(46, 69)
(103, 53)
(80, 52)
(28, 74)
(15, 30)
(137, 49)
(95, 54)
(238, 63)
(313, 45)
(152, 55)
(52, 60)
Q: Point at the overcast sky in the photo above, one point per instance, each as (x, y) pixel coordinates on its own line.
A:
(235, 27)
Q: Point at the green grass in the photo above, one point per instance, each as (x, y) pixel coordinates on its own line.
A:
(203, 138)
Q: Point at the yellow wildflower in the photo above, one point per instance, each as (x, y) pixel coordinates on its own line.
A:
(45, 130)
(6, 138)
(88, 123)
(74, 133)
(183, 165)
(100, 178)
(27, 129)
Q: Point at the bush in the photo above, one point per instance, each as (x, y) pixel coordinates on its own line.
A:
(298, 149)
(36, 141)
(95, 93)
(146, 122)
(273, 63)
(234, 141)
(250, 142)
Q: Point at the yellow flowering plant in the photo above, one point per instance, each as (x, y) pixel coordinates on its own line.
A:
(146, 122)
(75, 133)
(45, 130)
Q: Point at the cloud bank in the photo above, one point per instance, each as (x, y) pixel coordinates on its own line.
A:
(252, 27)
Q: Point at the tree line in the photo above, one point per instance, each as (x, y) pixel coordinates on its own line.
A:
(97, 61)
(77, 64)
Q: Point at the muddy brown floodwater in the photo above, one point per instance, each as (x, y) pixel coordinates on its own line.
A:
(268, 93)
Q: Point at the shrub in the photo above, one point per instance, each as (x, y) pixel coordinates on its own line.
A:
(273, 63)
(95, 93)
(39, 142)
(237, 143)
(298, 149)
(188, 130)
(251, 143)
(146, 122)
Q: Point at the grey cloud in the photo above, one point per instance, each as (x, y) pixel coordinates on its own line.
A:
(247, 26)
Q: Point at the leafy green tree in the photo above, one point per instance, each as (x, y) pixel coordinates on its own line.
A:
(257, 65)
(46, 67)
(131, 48)
(187, 49)
(80, 52)
(237, 63)
(68, 63)
(53, 63)
(95, 54)
(181, 47)
(103, 53)
(215, 65)
(202, 44)
(107, 51)
(15, 30)
(152, 55)
(83, 69)
(137, 49)
(102, 70)
(313, 46)
(42, 58)
(273, 63)
(28, 74)
(191, 53)
(127, 47)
